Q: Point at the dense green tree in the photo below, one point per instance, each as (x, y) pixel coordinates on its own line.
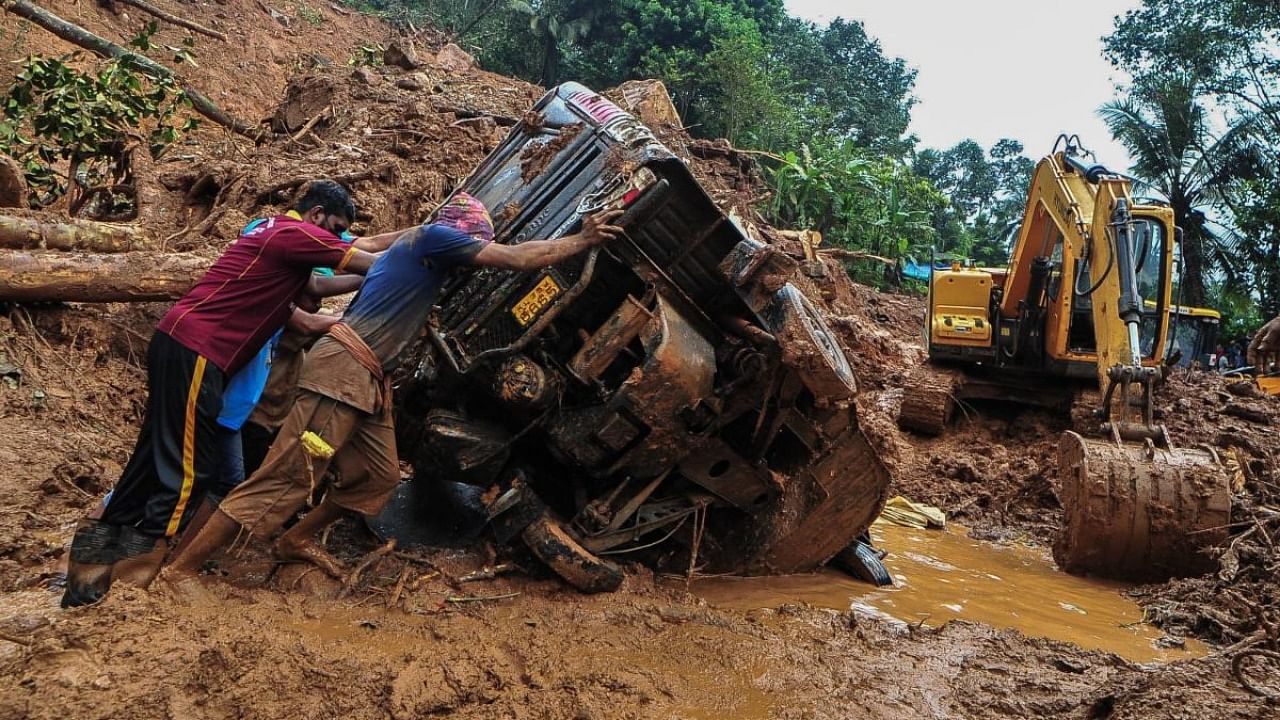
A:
(987, 193)
(1256, 212)
(1231, 46)
(858, 200)
(849, 87)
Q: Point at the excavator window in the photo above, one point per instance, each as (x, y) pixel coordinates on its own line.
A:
(1149, 240)
(1148, 252)
(1055, 274)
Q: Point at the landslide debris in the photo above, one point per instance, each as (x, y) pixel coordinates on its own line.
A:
(72, 388)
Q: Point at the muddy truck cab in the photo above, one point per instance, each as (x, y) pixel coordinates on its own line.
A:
(669, 394)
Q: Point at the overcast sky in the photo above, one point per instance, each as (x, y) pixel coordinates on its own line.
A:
(987, 69)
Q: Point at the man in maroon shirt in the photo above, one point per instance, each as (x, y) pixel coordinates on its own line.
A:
(209, 334)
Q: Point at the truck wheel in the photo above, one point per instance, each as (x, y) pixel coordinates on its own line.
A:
(572, 562)
(863, 562)
(808, 345)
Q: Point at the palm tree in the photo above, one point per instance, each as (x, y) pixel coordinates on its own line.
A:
(1167, 128)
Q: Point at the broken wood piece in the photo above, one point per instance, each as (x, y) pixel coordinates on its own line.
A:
(386, 549)
(385, 171)
(1246, 412)
(275, 14)
(487, 573)
(14, 639)
(174, 19)
(404, 576)
(123, 277)
(307, 128)
(30, 233)
(468, 113)
(480, 598)
(855, 255)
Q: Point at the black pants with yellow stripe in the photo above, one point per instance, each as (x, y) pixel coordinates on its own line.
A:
(176, 457)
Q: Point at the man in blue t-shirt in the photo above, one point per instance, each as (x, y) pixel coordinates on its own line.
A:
(344, 393)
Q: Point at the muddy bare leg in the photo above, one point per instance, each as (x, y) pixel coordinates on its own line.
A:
(208, 506)
(213, 536)
(299, 542)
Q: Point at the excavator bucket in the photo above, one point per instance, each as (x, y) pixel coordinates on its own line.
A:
(1137, 512)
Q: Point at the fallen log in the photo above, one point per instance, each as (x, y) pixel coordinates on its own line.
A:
(77, 35)
(386, 172)
(59, 277)
(29, 233)
(174, 19)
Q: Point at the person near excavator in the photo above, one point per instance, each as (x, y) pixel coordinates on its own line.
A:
(206, 337)
(341, 419)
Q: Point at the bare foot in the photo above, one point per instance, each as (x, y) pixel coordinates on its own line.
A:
(307, 551)
(184, 587)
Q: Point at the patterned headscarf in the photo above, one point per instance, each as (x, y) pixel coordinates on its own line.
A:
(464, 212)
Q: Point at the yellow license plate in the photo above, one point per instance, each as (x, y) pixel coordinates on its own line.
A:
(538, 298)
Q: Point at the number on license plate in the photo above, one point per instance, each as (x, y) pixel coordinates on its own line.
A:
(535, 301)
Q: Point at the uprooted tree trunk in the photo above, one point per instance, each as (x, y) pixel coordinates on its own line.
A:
(29, 233)
(59, 277)
(77, 35)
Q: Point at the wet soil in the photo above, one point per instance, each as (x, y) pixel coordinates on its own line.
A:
(263, 641)
(943, 575)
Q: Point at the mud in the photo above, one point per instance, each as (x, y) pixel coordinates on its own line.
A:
(944, 575)
(408, 640)
(536, 157)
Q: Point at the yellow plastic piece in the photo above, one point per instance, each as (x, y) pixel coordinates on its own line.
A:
(906, 513)
(316, 446)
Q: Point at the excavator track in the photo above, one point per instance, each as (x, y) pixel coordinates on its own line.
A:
(1138, 512)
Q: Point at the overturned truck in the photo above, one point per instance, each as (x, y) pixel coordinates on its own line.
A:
(669, 395)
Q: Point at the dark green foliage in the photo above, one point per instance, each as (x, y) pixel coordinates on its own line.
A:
(69, 126)
(847, 85)
(988, 194)
(859, 201)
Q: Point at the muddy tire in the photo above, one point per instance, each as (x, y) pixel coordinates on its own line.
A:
(572, 562)
(863, 562)
(808, 345)
(928, 402)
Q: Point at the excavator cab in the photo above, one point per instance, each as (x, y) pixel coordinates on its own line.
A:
(1193, 335)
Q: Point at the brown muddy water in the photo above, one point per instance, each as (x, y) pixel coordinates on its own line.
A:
(946, 575)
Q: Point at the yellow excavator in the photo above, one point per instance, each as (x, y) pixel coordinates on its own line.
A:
(1086, 296)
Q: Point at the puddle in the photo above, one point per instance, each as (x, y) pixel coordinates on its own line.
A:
(941, 576)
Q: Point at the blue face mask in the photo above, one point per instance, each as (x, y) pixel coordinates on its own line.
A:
(347, 237)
